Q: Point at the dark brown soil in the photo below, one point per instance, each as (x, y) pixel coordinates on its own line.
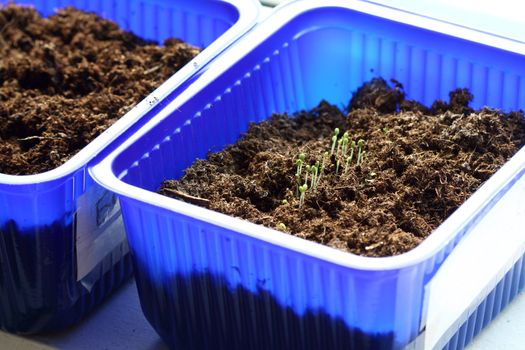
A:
(420, 165)
(66, 78)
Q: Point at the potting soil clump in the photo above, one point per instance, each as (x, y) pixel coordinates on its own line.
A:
(373, 181)
(66, 78)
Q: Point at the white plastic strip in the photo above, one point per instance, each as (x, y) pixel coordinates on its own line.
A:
(475, 267)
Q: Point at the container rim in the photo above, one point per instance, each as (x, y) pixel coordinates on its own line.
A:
(248, 11)
(436, 10)
(443, 235)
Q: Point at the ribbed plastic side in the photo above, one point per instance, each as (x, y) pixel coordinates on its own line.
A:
(428, 64)
(504, 292)
(40, 287)
(273, 84)
(203, 285)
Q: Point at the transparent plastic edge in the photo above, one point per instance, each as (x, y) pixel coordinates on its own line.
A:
(481, 260)
(248, 15)
(398, 15)
(428, 8)
(285, 12)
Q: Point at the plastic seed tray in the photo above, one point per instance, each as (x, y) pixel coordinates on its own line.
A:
(207, 280)
(62, 244)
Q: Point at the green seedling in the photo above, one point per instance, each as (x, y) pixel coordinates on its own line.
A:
(360, 151)
(345, 143)
(284, 202)
(314, 170)
(334, 140)
(313, 173)
(317, 173)
(351, 156)
(321, 167)
(323, 162)
(302, 191)
(297, 182)
(348, 160)
(339, 143)
(299, 162)
(306, 173)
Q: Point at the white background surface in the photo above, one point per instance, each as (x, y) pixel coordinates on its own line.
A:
(119, 324)
(116, 325)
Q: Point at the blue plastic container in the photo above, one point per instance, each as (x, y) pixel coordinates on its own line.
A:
(207, 280)
(62, 244)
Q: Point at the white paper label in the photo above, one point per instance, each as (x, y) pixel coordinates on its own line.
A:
(100, 231)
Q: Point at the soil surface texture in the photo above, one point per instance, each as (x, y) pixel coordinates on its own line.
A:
(67, 78)
(417, 165)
